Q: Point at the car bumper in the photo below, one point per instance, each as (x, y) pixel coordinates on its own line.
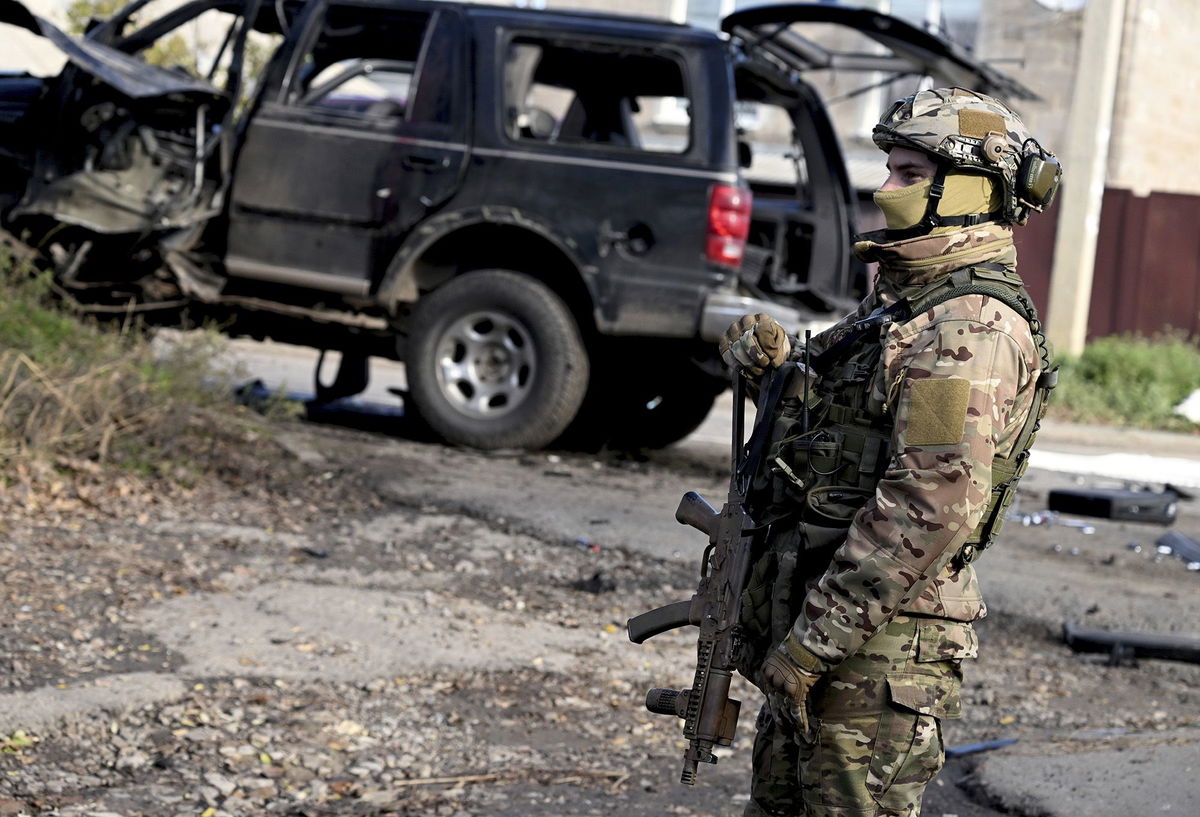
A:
(723, 308)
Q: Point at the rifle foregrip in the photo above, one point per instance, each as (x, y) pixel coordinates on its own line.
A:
(695, 511)
(667, 701)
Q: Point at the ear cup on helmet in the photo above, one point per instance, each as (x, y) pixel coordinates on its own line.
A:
(1038, 179)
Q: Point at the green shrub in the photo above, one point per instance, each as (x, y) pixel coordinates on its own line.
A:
(1129, 380)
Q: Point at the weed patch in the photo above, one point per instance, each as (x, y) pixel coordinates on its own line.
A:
(1130, 381)
(74, 389)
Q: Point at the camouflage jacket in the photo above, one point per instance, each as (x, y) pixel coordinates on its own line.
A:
(957, 383)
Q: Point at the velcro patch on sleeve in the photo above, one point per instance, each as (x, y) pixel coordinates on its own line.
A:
(938, 411)
(980, 123)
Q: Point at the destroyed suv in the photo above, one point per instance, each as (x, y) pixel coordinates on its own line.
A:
(548, 216)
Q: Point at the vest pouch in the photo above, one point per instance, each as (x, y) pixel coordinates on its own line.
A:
(811, 459)
(822, 537)
(835, 505)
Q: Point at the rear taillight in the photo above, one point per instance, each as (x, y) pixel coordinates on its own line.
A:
(728, 224)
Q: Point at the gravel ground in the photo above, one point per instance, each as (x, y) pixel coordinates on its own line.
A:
(350, 636)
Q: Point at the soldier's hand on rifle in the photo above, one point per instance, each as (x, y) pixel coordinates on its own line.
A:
(784, 675)
(755, 343)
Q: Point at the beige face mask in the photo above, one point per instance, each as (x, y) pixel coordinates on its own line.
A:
(964, 194)
(904, 206)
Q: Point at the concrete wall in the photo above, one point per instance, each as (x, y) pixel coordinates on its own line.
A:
(1156, 122)
(1040, 48)
(641, 8)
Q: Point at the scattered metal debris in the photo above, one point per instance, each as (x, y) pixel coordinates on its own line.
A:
(1186, 548)
(1124, 647)
(600, 582)
(973, 748)
(1053, 518)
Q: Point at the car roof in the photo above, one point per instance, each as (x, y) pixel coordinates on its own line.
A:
(569, 17)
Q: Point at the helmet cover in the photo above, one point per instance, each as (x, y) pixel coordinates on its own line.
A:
(974, 133)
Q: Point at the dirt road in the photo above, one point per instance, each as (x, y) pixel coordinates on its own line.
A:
(395, 627)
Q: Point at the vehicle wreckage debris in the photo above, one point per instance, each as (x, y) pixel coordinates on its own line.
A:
(1053, 518)
(1159, 507)
(1123, 647)
(1186, 548)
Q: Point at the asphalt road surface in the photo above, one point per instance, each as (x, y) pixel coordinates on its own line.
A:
(406, 628)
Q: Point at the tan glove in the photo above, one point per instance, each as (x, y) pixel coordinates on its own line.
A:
(754, 343)
(794, 683)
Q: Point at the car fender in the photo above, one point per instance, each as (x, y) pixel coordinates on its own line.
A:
(404, 279)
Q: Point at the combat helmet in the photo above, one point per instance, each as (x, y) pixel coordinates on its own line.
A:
(974, 133)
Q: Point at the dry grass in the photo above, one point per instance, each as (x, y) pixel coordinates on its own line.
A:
(72, 389)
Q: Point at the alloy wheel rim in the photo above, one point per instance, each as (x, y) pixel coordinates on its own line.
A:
(485, 364)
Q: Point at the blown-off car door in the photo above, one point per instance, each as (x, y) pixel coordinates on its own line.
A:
(366, 135)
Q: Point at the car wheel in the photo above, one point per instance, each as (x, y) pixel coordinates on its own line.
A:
(658, 414)
(495, 360)
(626, 409)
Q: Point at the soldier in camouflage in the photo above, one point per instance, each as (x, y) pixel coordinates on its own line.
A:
(890, 469)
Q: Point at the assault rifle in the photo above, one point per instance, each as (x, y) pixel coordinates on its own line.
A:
(709, 714)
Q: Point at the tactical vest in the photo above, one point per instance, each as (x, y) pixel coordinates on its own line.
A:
(830, 443)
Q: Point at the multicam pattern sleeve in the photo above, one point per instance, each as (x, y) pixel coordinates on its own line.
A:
(960, 382)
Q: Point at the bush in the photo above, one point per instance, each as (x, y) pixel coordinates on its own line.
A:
(1129, 380)
(73, 388)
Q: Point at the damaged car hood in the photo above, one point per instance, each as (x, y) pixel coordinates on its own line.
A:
(120, 145)
(128, 75)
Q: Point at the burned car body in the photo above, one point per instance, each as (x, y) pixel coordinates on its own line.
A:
(428, 181)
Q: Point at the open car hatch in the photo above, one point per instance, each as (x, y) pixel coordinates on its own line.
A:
(810, 37)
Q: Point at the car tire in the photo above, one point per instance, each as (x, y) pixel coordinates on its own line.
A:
(495, 360)
(657, 414)
(629, 410)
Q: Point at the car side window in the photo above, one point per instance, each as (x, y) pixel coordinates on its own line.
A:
(770, 151)
(374, 88)
(580, 93)
(368, 63)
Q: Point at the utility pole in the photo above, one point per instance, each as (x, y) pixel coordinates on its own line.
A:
(1085, 166)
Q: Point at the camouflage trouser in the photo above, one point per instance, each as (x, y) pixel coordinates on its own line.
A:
(880, 740)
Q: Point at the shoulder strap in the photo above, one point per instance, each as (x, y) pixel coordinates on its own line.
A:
(1002, 285)
(899, 311)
